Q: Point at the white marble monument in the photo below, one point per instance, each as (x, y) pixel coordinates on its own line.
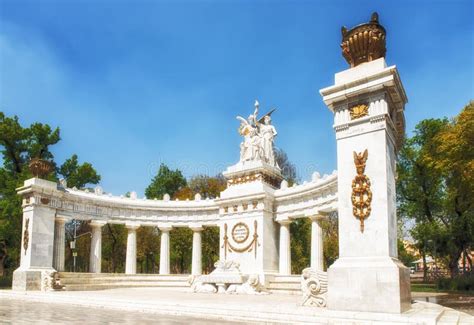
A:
(368, 101)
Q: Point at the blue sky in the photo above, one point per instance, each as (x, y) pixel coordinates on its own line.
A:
(132, 84)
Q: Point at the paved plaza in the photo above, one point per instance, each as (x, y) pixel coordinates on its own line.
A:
(164, 306)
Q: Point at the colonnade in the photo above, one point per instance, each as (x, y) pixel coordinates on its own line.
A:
(196, 268)
(95, 257)
(317, 256)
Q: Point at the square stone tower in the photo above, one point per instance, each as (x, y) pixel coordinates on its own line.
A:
(368, 101)
(248, 230)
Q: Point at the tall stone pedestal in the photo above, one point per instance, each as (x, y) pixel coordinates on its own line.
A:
(37, 241)
(368, 102)
(249, 234)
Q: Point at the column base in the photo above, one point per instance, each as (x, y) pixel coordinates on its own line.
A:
(30, 279)
(373, 284)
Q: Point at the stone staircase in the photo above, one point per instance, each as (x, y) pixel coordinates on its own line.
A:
(285, 284)
(100, 281)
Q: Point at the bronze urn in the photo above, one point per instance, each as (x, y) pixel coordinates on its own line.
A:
(364, 43)
(40, 167)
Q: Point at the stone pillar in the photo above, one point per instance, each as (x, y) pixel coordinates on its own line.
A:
(59, 243)
(131, 257)
(285, 248)
(197, 256)
(95, 257)
(368, 101)
(317, 254)
(37, 242)
(165, 250)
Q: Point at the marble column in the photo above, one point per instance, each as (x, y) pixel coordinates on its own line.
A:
(317, 257)
(96, 247)
(59, 243)
(196, 268)
(131, 257)
(285, 250)
(165, 250)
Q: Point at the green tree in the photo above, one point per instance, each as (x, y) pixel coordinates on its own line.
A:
(435, 186)
(288, 169)
(300, 245)
(18, 146)
(330, 229)
(166, 181)
(208, 187)
(78, 175)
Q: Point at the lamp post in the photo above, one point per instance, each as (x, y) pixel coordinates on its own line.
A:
(72, 244)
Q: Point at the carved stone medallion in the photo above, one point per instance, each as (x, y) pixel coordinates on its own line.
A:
(361, 192)
(240, 232)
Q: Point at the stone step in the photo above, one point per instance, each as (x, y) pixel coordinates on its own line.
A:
(285, 286)
(110, 281)
(101, 281)
(103, 286)
(122, 279)
(285, 278)
(95, 275)
(286, 292)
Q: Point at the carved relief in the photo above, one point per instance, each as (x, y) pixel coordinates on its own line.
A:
(361, 192)
(358, 111)
(45, 200)
(26, 235)
(314, 284)
(273, 181)
(239, 236)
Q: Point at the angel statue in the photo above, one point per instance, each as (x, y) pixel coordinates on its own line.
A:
(258, 137)
(250, 148)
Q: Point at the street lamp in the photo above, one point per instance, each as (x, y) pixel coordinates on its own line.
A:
(72, 244)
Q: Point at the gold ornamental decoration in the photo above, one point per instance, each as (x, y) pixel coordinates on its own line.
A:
(26, 235)
(361, 193)
(364, 43)
(239, 236)
(358, 111)
(240, 232)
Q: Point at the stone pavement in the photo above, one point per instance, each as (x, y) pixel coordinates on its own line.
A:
(260, 308)
(16, 311)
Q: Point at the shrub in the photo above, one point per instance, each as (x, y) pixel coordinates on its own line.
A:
(459, 283)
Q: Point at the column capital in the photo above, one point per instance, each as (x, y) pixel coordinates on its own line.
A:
(196, 228)
(165, 228)
(132, 225)
(61, 219)
(285, 222)
(97, 223)
(318, 217)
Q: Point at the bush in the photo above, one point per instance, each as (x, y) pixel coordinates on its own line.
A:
(6, 281)
(459, 283)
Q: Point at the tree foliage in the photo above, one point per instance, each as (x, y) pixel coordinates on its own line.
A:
(435, 186)
(166, 181)
(18, 146)
(300, 244)
(78, 175)
(288, 169)
(174, 184)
